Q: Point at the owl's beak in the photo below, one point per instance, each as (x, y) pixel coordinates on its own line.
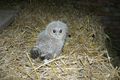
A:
(57, 35)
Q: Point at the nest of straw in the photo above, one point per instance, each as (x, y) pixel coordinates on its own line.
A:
(82, 56)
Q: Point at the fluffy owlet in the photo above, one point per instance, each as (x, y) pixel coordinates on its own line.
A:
(50, 42)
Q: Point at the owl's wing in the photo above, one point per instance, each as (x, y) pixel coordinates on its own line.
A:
(46, 47)
(43, 39)
(45, 44)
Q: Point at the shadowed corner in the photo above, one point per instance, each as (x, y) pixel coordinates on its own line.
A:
(6, 18)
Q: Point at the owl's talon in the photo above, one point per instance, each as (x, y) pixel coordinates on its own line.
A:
(46, 56)
(46, 61)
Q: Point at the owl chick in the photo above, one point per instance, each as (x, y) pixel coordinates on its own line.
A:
(51, 41)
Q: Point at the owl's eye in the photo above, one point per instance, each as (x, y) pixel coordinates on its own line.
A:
(54, 31)
(60, 31)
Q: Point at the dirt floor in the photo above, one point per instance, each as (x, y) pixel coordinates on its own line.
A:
(83, 57)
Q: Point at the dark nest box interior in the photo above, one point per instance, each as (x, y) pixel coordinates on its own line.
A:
(91, 50)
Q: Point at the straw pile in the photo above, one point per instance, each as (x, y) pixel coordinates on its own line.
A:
(82, 56)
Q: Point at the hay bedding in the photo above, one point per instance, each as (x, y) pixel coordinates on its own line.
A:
(81, 58)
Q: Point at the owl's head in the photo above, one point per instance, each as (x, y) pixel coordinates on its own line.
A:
(57, 29)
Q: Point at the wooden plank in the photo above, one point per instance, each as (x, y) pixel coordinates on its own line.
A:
(6, 18)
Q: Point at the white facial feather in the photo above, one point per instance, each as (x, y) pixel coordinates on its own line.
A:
(56, 29)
